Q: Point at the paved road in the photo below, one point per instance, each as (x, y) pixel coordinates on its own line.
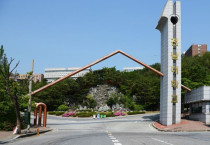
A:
(129, 130)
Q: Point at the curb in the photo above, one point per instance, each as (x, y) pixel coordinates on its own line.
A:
(34, 133)
(162, 130)
(7, 141)
(25, 135)
(153, 124)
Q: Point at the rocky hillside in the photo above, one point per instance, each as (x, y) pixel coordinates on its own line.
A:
(101, 93)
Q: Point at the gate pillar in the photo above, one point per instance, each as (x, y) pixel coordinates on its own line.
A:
(170, 87)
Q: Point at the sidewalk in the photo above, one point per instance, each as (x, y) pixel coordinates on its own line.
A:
(184, 126)
(6, 136)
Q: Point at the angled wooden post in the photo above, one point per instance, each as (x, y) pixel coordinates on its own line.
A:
(95, 62)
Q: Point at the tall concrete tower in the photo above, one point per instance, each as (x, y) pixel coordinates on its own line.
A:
(170, 94)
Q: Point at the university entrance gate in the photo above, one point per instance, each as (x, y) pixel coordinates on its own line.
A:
(170, 87)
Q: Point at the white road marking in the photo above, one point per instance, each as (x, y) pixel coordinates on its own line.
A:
(161, 141)
(150, 126)
(115, 141)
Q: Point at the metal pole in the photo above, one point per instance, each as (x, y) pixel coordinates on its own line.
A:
(30, 91)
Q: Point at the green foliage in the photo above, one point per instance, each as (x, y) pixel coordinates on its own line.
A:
(138, 89)
(135, 112)
(23, 101)
(138, 107)
(84, 114)
(195, 71)
(111, 101)
(108, 114)
(90, 102)
(8, 117)
(86, 110)
(30, 73)
(51, 112)
(10, 91)
(90, 114)
(143, 84)
(58, 113)
(63, 108)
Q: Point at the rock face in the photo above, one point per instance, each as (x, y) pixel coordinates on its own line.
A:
(101, 93)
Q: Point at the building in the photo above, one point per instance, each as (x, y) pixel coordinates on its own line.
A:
(199, 104)
(129, 69)
(194, 50)
(36, 77)
(51, 74)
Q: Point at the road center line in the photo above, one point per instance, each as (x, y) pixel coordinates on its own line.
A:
(117, 144)
(161, 141)
(113, 139)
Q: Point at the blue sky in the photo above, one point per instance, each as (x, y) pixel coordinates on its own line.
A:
(74, 33)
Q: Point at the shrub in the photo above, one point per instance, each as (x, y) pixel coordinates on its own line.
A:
(8, 126)
(138, 107)
(7, 115)
(58, 113)
(87, 110)
(84, 114)
(90, 102)
(111, 101)
(135, 112)
(63, 108)
(51, 112)
(108, 114)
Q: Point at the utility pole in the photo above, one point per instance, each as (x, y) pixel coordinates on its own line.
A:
(30, 91)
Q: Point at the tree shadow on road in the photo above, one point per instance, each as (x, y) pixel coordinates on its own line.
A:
(153, 117)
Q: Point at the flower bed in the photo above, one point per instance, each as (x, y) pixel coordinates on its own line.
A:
(117, 113)
(122, 114)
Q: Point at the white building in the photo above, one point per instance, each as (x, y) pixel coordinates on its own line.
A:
(51, 74)
(199, 104)
(129, 69)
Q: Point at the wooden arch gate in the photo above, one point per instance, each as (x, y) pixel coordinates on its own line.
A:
(97, 61)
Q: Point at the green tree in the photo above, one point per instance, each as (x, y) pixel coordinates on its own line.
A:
(10, 85)
(111, 101)
(90, 102)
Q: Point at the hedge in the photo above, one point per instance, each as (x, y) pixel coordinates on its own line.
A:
(57, 113)
(84, 114)
(108, 114)
(135, 112)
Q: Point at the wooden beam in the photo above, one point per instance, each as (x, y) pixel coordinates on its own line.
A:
(95, 62)
(141, 63)
(186, 88)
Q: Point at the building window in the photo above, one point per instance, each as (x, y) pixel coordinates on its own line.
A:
(199, 50)
(197, 109)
